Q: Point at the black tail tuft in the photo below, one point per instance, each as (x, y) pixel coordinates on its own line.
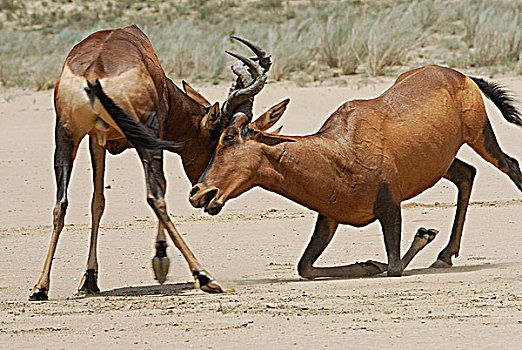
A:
(134, 131)
(502, 98)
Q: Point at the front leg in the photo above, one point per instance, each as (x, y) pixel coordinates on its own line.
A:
(388, 211)
(152, 161)
(323, 233)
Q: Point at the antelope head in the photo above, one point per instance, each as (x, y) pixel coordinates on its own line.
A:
(210, 120)
(251, 78)
(239, 161)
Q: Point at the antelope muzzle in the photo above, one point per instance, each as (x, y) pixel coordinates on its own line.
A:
(203, 196)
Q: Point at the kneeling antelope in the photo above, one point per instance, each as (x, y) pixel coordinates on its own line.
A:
(368, 157)
(113, 88)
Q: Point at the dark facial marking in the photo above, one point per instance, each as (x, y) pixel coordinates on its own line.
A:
(209, 166)
(247, 132)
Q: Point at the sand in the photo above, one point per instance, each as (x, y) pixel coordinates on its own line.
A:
(252, 246)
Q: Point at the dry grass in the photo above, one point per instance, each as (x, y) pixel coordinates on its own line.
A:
(308, 40)
(493, 31)
(386, 48)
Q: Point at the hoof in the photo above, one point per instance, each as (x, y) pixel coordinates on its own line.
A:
(429, 235)
(207, 284)
(89, 283)
(38, 294)
(440, 264)
(160, 266)
(394, 273)
(212, 287)
(307, 277)
(375, 267)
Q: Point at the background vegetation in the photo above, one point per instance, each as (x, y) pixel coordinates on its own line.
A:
(309, 40)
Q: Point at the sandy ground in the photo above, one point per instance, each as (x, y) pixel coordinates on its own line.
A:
(253, 246)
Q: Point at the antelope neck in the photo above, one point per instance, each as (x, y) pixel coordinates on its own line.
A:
(184, 126)
(296, 169)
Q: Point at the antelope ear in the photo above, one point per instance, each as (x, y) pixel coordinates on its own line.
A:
(193, 94)
(271, 140)
(277, 131)
(270, 117)
(212, 118)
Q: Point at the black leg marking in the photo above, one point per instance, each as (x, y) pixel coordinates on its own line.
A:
(504, 162)
(323, 233)
(462, 175)
(161, 249)
(153, 164)
(207, 283)
(389, 214)
(152, 161)
(89, 285)
(161, 262)
(39, 294)
(63, 159)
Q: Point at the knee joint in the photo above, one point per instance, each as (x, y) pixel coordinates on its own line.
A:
(60, 207)
(513, 165)
(305, 270)
(472, 173)
(467, 178)
(153, 201)
(156, 203)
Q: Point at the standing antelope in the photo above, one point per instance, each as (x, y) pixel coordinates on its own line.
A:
(112, 87)
(368, 157)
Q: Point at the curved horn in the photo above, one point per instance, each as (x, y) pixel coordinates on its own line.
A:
(251, 80)
(257, 50)
(262, 56)
(237, 97)
(248, 62)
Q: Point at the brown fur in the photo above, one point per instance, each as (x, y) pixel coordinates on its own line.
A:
(122, 65)
(137, 83)
(367, 158)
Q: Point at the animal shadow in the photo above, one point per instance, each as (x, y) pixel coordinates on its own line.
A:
(163, 290)
(454, 269)
(410, 272)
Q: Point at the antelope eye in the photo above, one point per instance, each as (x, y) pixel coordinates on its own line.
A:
(229, 138)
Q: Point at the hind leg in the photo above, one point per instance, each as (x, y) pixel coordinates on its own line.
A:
(88, 284)
(488, 148)
(462, 175)
(64, 154)
(161, 262)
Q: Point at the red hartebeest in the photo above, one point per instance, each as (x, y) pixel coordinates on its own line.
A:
(112, 87)
(367, 158)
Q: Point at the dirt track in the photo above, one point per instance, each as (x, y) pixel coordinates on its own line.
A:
(253, 247)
